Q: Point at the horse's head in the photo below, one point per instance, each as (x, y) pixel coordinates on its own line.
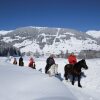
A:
(83, 64)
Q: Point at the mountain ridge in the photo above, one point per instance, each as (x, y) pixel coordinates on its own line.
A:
(47, 40)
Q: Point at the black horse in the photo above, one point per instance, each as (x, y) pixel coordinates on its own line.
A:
(75, 71)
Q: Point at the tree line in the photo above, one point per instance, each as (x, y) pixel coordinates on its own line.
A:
(8, 50)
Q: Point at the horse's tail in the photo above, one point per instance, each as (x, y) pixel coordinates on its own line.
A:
(65, 67)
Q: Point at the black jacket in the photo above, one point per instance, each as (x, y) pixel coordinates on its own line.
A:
(50, 61)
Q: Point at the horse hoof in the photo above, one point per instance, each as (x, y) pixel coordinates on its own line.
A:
(66, 80)
(72, 83)
(80, 86)
(57, 74)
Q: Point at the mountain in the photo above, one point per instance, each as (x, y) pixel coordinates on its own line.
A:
(3, 32)
(45, 40)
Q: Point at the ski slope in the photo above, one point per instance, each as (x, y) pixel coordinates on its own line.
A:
(24, 83)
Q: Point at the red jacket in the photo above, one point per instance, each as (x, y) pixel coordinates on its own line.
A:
(72, 59)
(31, 62)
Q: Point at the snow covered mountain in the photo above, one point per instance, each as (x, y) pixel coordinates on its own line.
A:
(3, 32)
(94, 34)
(47, 40)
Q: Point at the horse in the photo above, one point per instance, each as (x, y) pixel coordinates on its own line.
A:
(53, 70)
(32, 65)
(75, 71)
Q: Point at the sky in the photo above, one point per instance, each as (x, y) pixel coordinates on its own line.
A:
(81, 15)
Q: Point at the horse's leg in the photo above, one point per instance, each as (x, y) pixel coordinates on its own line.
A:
(56, 69)
(48, 72)
(66, 76)
(73, 79)
(79, 84)
(46, 68)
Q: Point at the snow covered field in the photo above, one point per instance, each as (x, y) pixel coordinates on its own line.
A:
(24, 83)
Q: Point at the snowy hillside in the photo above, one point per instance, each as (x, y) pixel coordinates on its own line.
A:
(3, 32)
(47, 40)
(94, 34)
(23, 83)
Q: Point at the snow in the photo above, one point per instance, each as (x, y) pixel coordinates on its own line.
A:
(94, 33)
(68, 33)
(41, 28)
(73, 44)
(3, 32)
(18, 37)
(33, 47)
(24, 43)
(24, 83)
(8, 39)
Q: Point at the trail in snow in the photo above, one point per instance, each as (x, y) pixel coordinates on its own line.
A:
(56, 36)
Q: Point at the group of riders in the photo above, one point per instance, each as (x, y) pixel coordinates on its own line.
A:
(49, 62)
(73, 68)
(21, 63)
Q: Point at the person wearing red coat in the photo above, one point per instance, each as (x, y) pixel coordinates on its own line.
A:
(72, 59)
(32, 63)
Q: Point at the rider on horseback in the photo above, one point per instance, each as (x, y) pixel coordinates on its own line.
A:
(74, 68)
(32, 63)
(15, 61)
(72, 59)
(50, 61)
(21, 63)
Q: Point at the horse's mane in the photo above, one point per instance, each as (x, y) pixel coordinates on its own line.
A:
(78, 63)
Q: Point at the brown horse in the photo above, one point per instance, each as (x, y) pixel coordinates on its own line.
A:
(75, 71)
